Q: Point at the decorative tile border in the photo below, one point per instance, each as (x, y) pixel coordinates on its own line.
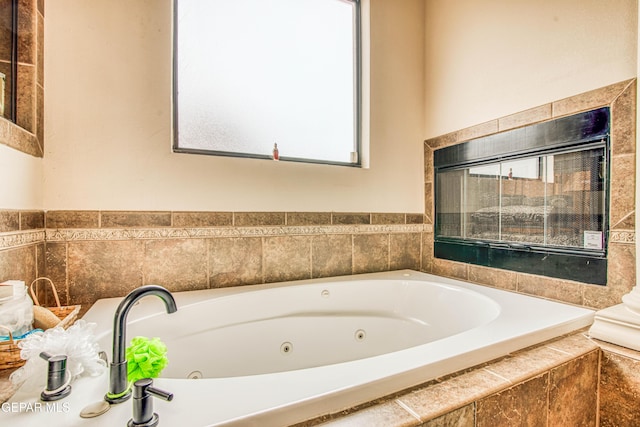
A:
(21, 228)
(622, 236)
(66, 235)
(21, 238)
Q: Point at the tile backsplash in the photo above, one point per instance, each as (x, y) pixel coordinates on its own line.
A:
(99, 254)
(22, 247)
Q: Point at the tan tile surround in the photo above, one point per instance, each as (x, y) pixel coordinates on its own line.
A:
(553, 384)
(619, 387)
(22, 246)
(109, 243)
(621, 97)
(98, 254)
(569, 381)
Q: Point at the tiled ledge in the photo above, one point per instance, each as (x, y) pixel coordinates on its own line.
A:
(624, 92)
(456, 397)
(14, 136)
(172, 219)
(17, 220)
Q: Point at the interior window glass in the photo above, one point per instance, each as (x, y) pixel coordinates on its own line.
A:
(250, 74)
(8, 58)
(551, 200)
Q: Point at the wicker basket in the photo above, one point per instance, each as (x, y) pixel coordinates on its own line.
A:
(67, 314)
(9, 350)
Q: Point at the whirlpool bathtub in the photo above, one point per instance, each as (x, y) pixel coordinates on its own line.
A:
(277, 354)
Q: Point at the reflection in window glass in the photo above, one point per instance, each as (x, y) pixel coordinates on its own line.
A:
(8, 58)
(552, 200)
(254, 73)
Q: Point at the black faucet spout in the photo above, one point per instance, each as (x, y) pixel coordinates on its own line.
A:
(119, 390)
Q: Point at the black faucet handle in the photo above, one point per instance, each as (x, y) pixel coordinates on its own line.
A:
(57, 377)
(164, 395)
(143, 393)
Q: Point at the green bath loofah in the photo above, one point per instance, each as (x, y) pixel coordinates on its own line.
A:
(146, 358)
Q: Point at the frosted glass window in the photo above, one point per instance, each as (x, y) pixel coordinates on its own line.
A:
(253, 73)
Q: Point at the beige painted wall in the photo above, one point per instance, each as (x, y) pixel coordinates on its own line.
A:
(108, 104)
(108, 121)
(21, 177)
(491, 58)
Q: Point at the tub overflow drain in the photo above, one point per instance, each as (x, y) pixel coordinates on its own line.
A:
(360, 335)
(195, 375)
(286, 348)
